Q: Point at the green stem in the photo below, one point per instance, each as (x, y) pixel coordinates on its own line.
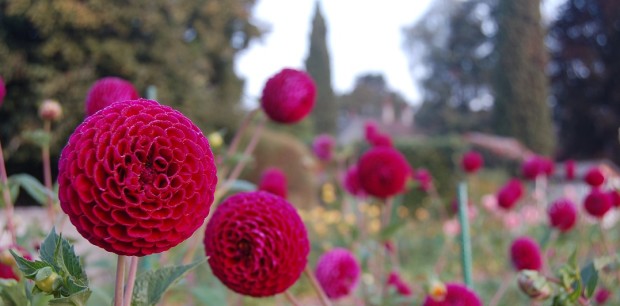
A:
(6, 193)
(47, 173)
(466, 257)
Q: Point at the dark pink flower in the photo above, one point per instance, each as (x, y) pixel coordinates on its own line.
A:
(401, 286)
(471, 162)
(8, 266)
(371, 128)
(323, 147)
(383, 171)
(136, 178)
(424, 179)
(381, 140)
(107, 91)
(338, 272)
(525, 254)
(2, 90)
(562, 215)
(614, 195)
(594, 177)
(510, 194)
(535, 166)
(601, 296)
(597, 203)
(288, 96)
(256, 243)
(273, 180)
(457, 295)
(569, 168)
(351, 182)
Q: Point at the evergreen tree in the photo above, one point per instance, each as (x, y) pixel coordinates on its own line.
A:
(585, 76)
(521, 87)
(324, 115)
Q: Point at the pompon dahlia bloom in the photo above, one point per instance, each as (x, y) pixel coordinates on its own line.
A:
(371, 128)
(136, 178)
(510, 194)
(338, 273)
(402, 288)
(594, 177)
(537, 165)
(525, 254)
(383, 171)
(288, 96)
(381, 140)
(471, 162)
(323, 147)
(562, 215)
(457, 295)
(614, 196)
(569, 169)
(424, 179)
(2, 90)
(273, 180)
(601, 296)
(8, 266)
(107, 91)
(597, 203)
(351, 182)
(256, 243)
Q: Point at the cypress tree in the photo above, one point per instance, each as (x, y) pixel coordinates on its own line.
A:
(324, 114)
(521, 87)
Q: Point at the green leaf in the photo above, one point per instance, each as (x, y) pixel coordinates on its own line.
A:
(33, 187)
(49, 247)
(76, 299)
(589, 278)
(38, 137)
(13, 293)
(71, 264)
(28, 268)
(151, 285)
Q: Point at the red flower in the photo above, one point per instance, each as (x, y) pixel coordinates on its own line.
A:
(383, 171)
(288, 96)
(614, 195)
(569, 168)
(381, 140)
(137, 178)
(594, 177)
(338, 272)
(273, 180)
(257, 244)
(562, 215)
(510, 194)
(323, 147)
(107, 91)
(371, 128)
(525, 254)
(457, 295)
(2, 91)
(601, 296)
(597, 203)
(424, 178)
(535, 166)
(351, 182)
(401, 286)
(8, 266)
(471, 162)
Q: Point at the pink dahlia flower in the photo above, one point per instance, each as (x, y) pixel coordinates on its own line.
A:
(351, 182)
(338, 272)
(525, 254)
(256, 243)
(8, 266)
(136, 178)
(107, 91)
(424, 179)
(2, 90)
(371, 128)
(323, 147)
(535, 166)
(510, 194)
(562, 215)
(383, 171)
(402, 288)
(569, 169)
(597, 203)
(594, 177)
(602, 296)
(273, 180)
(472, 162)
(456, 295)
(288, 96)
(614, 196)
(381, 140)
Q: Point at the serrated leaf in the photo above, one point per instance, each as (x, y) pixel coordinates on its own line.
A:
(48, 249)
(33, 187)
(589, 278)
(76, 299)
(151, 285)
(28, 268)
(71, 264)
(13, 293)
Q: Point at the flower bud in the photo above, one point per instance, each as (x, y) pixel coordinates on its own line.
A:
(50, 110)
(534, 285)
(47, 280)
(437, 291)
(215, 140)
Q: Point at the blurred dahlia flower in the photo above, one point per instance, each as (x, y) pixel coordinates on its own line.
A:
(338, 272)
(288, 96)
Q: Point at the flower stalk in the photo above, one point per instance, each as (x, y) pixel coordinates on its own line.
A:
(6, 193)
(466, 257)
(120, 279)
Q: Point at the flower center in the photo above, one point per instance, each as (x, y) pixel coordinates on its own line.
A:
(244, 247)
(147, 176)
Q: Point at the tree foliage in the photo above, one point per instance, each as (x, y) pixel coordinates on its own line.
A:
(585, 76)
(57, 49)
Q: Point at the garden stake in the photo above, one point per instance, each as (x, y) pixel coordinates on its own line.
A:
(465, 237)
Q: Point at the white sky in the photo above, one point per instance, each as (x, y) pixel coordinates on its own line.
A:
(364, 36)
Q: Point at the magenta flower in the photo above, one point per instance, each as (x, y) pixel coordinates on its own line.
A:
(383, 171)
(594, 177)
(597, 203)
(525, 254)
(424, 179)
(2, 90)
(257, 244)
(562, 215)
(602, 296)
(273, 180)
(288, 96)
(510, 194)
(338, 273)
(471, 162)
(402, 288)
(107, 91)
(381, 140)
(136, 178)
(351, 182)
(8, 266)
(457, 295)
(535, 166)
(323, 147)
(569, 169)
(614, 196)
